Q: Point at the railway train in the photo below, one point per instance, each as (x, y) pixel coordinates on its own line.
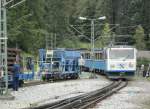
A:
(115, 61)
(59, 64)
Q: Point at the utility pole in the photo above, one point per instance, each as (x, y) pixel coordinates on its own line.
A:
(92, 39)
(92, 45)
(55, 41)
(52, 41)
(3, 46)
(46, 41)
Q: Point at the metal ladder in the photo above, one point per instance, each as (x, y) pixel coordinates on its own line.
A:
(3, 49)
(50, 40)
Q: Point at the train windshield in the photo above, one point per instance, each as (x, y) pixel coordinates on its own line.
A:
(122, 54)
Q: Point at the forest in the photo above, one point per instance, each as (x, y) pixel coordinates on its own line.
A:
(55, 23)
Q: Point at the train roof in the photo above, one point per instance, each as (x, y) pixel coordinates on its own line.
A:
(66, 49)
(66, 53)
(120, 46)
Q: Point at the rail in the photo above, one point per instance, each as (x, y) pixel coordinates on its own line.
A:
(85, 100)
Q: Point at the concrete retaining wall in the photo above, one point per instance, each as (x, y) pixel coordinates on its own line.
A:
(143, 54)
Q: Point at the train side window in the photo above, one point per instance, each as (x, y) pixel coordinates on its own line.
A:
(88, 55)
(83, 55)
(104, 55)
(101, 55)
(95, 55)
(98, 56)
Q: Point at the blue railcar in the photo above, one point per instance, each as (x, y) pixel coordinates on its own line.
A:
(59, 64)
(97, 62)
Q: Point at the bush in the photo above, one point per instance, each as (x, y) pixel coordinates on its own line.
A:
(144, 61)
(43, 77)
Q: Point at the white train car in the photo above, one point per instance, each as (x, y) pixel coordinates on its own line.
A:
(121, 62)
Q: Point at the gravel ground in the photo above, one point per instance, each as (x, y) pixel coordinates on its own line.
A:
(135, 96)
(40, 94)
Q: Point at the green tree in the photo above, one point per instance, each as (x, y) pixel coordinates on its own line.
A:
(105, 37)
(29, 22)
(139, 38)
(25, 27)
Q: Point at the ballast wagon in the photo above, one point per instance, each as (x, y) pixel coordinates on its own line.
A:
(59, 64)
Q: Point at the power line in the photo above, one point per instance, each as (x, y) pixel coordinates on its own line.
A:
(13, 6)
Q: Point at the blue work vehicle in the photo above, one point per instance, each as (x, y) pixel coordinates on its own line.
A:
(59, 64)
(26, 72)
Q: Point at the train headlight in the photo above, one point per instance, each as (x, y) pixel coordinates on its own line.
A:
(131, 65)
(112, 66)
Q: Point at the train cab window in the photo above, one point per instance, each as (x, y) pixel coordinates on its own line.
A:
(121, 54)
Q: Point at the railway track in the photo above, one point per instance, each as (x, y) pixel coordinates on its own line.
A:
(87, 100)
(34, 83)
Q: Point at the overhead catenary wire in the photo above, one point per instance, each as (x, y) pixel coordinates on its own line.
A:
(13, 6)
